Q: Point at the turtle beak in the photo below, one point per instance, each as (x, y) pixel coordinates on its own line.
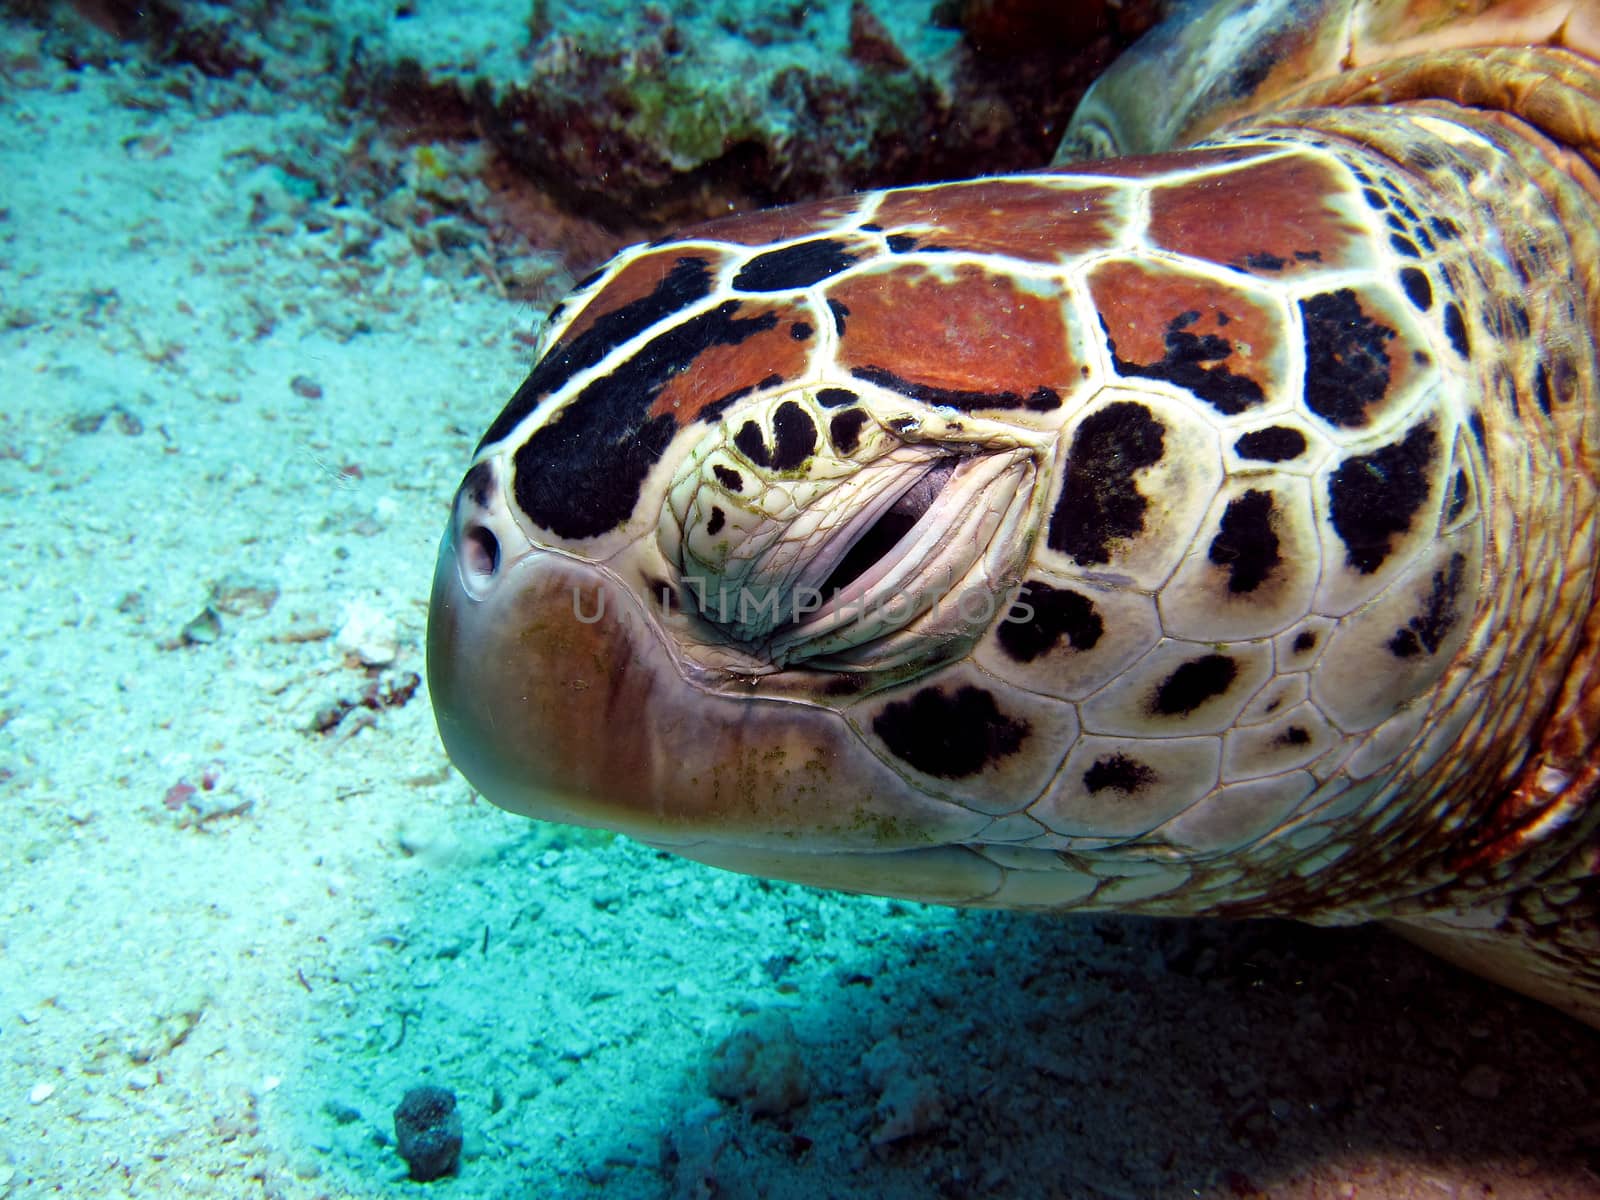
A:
(534, 659)
(524, 686)
(559, 696)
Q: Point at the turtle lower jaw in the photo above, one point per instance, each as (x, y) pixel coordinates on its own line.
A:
(558, 697)
(952, 874)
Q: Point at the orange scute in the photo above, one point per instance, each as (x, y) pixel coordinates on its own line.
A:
(770, 225)
(774, 355)
(636, 281)
(1272, 218)
(1144, 305)
(1018, 217)
(964, 329)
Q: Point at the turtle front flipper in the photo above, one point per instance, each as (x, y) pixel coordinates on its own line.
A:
(1211, 62)
(1207, 62)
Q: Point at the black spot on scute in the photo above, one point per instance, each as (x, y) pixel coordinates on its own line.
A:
(1304, 641)
(752, 444)
(1404, 246)
(1184, 365)
(1263, 261)
(793, 267)
(840, 312)
(1245, 543)
(1417, 288)
(796, 436)
(1455, 328)
(583, 503)
(1541, 388)
(949, 736)
(1056, 613)
(1374, 496)
(1347, 365)
(834, 397)
(1295, 735)
(845, 429)
(800, 331)
(1429, 628)
(688, 280)
(579, 475)
(1118, 772)
(1099, 502)
(1276, 443)
(715, 524)
(1192, 684)
(900, 243)
(728, 477)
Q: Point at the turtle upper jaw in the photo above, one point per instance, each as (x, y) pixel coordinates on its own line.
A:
(558, 696)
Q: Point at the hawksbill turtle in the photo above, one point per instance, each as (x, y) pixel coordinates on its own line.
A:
(1207, 530)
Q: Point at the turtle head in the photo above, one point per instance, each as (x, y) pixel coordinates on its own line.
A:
(683, 558)
(952, 543)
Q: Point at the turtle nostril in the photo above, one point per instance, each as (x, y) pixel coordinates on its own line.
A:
(480, 551)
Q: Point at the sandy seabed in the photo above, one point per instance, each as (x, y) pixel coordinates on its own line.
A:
(247, 903)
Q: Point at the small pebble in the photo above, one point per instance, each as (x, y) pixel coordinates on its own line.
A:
(427, 1131)
(241, 595)
(342, 1114)
(910, 1105)
(760, 1067)
(41, 1092)
(203, 630)
(369, 635)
